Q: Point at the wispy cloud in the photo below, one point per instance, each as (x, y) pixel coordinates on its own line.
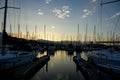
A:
(115, 15)
(52, 26)
(63, 12)
(94, 0)
(40, 12)
(47, 1)
(86, 13)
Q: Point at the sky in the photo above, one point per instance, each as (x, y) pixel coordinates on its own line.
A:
(61, 17)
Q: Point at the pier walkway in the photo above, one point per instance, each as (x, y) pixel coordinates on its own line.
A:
(92, 72)
(26, 71)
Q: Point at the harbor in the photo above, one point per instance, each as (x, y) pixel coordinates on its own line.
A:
(90, 69)
(24, 72)
(59, 40)
(66, 65)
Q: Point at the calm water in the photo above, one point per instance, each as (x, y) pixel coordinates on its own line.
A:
(60, 67)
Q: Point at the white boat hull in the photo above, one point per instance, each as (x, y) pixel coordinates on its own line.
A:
(110, 64)
(9, 63)
(105, 59)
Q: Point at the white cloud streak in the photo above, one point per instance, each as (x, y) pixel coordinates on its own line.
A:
(52, 27)
(86, 13)
(47, 1)
(62, 13)
(115, 15)
(94, 0)
(40, 12)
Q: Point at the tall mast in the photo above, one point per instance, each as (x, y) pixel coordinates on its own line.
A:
(18, 30)
(4, 25)
(101, 20)
(78, 33)
(5, 16)
(26, 31)
(94, 34)
(10, 30)
(86, 34)
(44, 32)
(35, 32)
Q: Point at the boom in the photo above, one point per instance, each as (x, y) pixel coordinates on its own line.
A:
(109, 2)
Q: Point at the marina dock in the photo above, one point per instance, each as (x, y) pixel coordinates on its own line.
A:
(59, 39)
(86, 69)
(26, 71)
(91, 71)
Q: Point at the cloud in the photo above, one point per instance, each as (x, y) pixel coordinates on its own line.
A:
(40, 12)
(47, 1)
(63, 12)
(94, 0)
(115, 15)
(52, 27)
(86, 13)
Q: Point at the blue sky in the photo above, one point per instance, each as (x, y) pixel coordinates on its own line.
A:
(61, 17)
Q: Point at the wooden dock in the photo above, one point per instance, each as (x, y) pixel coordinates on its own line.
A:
(92, 72)
(89, 72)
(26, 71)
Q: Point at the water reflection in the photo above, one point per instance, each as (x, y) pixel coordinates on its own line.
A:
(60, 67)
(84, 56)
(51, 53)
(40, 54)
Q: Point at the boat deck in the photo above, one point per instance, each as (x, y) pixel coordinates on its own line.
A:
(93, 72)
(25, 71)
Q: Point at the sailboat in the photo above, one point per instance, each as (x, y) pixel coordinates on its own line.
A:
(106, 58)
(12, 58)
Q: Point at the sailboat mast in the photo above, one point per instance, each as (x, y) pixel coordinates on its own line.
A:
(86, 34)
(35, 32)
(44, 32)
(4, 27)
(5, 16)
(94, 34)
(78, 33)
(4, 23)
(18, 30)
(26, 32)
(10, 30)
